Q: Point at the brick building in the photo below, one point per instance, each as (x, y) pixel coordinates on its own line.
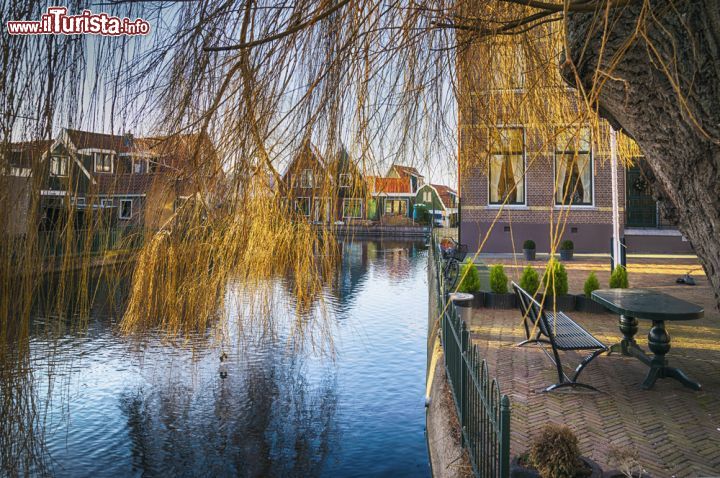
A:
(534, 165)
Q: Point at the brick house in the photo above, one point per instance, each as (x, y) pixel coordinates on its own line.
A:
(325, 191)
(88, 178)
(528, 169)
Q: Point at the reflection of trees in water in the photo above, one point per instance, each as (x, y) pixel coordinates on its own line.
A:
(265, 419)
(61, 305)
(21, 439)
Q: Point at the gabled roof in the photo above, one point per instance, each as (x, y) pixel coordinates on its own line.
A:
(404, 171)
(444, 192)
(87, 139)
(389, 185)
(311, 150)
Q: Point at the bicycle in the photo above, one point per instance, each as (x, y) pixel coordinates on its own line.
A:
(453, 257)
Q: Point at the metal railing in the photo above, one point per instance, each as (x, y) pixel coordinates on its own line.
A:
(483, 413)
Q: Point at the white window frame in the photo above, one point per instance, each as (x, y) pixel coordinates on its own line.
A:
(592, 175)
(361, 208)
(320, 209)
(106, 202)
(138, 160)
(309, 208)
(307, 179)
(502, 204)
(344, 183)
(77, 200)
(96, 155)
(59, 166)
(393, 200)
(120, 209)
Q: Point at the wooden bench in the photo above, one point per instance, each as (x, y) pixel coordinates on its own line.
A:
(561, 333)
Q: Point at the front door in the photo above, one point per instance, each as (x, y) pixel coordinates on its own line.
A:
(640, 207)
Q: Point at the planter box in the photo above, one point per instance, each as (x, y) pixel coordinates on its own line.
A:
(517, 470)
(499, 301)
(584, 304)
(479, 299)
(566, 255)
(564, 303)
(529, 254)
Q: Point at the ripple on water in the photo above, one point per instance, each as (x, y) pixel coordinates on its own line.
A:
(121, 407)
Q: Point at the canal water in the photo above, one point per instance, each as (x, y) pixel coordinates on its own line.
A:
(109, 405)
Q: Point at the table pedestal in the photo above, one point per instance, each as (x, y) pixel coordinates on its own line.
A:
(659, 343)
(627, 346)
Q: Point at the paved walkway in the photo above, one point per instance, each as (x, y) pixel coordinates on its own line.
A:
(669, 430)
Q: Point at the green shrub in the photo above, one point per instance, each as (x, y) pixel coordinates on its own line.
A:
(529, 244)
(498, 279)
(592, 283)
(567, 245)
(530, 280)
(556, 276)
(619, 278)
(471, 280)
(555, 453)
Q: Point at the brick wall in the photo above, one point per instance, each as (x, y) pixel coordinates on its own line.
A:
(590, 227)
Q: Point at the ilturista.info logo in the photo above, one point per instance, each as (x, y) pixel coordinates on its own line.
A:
(57, 22)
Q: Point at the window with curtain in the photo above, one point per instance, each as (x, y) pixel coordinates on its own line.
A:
(573, 168)
(59, 166)
(396, 206)
(306, 179)
(103, 162)
(507, 166)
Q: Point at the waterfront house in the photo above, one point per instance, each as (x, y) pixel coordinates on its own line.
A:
(528, 162)
(395, 193)
(325, 191)
(122, 180)
(441, 203)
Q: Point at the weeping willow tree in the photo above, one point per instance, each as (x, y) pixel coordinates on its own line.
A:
(384, 82)
(263, 81)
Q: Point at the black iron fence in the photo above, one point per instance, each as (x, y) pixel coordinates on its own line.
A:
(483, 413)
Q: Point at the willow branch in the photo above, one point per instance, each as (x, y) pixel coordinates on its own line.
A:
(300, 26)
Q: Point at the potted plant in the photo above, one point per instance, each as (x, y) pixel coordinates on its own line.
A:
(499, 298)
(529, 250)
(555, 287)
(566, 249)
(470, 283)
(619, 278)
(530, 280)
(554, 454)
(584, 302)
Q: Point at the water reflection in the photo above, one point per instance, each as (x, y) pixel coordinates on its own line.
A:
(97, 402)
(263, 419)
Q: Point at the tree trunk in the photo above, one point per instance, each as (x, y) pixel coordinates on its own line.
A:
(679, 131)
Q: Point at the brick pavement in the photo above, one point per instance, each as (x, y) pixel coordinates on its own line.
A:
(670, 430)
